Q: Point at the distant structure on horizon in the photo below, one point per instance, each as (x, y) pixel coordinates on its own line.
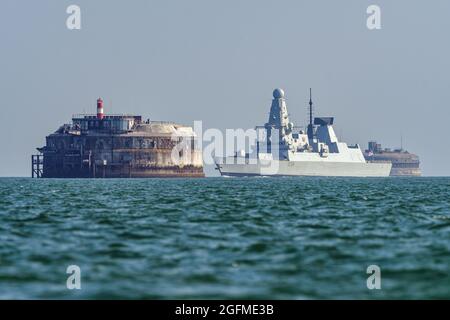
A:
(403, 162)
(117, 146)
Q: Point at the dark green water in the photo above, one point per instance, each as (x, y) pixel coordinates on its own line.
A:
(281, 238)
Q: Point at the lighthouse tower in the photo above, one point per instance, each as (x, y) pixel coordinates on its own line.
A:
(100, 113)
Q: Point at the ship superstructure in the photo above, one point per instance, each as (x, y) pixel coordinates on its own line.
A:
(286, 150)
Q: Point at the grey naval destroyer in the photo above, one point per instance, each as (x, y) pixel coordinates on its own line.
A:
(286, 150)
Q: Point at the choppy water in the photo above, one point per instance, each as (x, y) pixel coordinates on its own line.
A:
(281, 238)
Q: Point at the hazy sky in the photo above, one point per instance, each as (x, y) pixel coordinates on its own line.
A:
(218, 61)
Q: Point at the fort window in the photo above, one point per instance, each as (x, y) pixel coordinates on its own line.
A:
(100, 145)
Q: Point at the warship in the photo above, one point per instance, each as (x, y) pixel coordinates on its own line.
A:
(286, 150)
(403, 162)
(118, 146)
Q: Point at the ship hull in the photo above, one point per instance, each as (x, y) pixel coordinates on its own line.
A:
(306, 168)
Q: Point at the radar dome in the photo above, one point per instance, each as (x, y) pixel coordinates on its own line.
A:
(278, 93)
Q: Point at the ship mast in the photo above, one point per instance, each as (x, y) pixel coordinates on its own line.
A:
(310, 126)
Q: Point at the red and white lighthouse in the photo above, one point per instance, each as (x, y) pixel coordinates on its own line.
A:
(100, 113)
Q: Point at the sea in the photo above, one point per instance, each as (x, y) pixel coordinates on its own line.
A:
(225, 238)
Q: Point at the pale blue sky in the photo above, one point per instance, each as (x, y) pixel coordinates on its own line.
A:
(218, 61)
